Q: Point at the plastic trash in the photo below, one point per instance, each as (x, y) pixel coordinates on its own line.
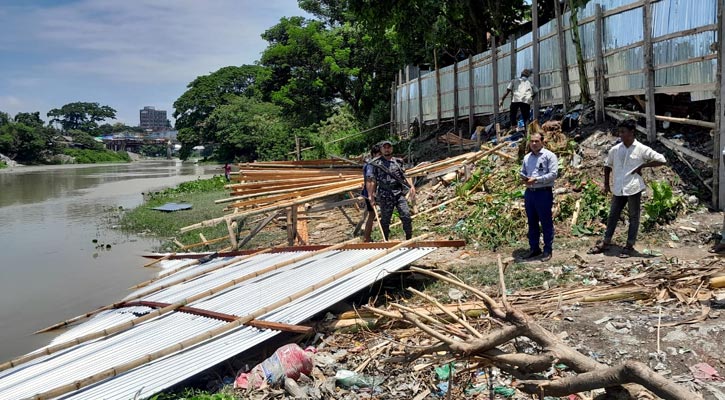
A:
(349, 379)
(288, 361)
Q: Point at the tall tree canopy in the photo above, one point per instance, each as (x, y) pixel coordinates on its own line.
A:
(81, 116)
(208, 92)
(416, 27)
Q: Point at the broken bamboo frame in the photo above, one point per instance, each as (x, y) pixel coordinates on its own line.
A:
(157, 313)
(110, 372)
(685, 121)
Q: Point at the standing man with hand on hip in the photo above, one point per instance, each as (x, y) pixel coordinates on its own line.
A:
(388, 186)
(524, 92)
(538, 172)
(626, 160)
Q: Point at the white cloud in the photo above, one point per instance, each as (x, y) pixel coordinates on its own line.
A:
(126, 54)
(145, 40)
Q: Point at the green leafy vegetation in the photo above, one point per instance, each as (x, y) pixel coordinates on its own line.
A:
(194, 394)
(3, 165)
(593, 208)
(498, 219)
(663, 206)
(85, 156)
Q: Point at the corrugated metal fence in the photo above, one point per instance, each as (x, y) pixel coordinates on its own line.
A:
(684, 60)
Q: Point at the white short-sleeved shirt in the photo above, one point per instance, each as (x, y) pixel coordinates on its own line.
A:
(523, 90)
(624, 160)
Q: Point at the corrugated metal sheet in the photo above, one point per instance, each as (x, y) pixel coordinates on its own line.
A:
(88, 358)
(619, 30)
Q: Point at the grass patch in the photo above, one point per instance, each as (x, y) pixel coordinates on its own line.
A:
(3, 165)
(86, 156)
(201, 194)
(196, 394)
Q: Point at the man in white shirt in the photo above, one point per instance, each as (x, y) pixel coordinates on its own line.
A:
(626, 161)
(524, 92)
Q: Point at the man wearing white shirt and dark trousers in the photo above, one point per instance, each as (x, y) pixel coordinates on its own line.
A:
(523, 93)
(625, 161)
(538, 172)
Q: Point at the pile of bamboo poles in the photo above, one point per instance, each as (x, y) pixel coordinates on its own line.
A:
(289, 185)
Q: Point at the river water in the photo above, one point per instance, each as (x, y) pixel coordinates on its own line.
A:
(50, 269)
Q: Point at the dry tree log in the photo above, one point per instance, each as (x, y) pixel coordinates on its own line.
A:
(590, 374)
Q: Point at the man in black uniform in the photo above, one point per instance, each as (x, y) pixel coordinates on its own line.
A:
(387, 181)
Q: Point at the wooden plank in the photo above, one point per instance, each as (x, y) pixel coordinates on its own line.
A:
(563, 63)
(536, 55)
(599, 68)
(257, 229)
(303, 234)
(649, 73)
(686, 32)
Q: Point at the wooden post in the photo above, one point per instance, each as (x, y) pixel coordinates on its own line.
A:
(471, 97)
(407, 98)
(455, 98)
(393, 90)
(400, 115)
(298, 151)
(438, 89)
(494, 70)
(649, 73)
(599, 65)
(512, 39)
(718, 182)
(564, 65)
(420, 103)
(232, 229)
(535, 44)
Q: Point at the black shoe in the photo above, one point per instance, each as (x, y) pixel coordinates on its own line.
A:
(532, 254)
(546, 257)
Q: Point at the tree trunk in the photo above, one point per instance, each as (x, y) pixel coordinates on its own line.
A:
(585, 96)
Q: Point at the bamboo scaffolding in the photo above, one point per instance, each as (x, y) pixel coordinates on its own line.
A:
(157, 313)
(119, 369)
(296, 194)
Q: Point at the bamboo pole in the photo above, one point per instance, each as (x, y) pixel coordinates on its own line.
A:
(599, 65)
(649, 73)
(718, 169)
(119, 369)
(563, 63)
(165, 310)
(158, 260)
(685, 121)
(494, 80)
(536, 56)
(426, 211)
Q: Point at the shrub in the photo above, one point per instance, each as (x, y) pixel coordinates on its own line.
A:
(663, 206)
(84, 156)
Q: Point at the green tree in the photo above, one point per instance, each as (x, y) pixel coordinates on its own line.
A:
(4, 118)
(85, 140)
(25, 144)
(81, 116)
(29, 119)
(208, 92)
(248, 129)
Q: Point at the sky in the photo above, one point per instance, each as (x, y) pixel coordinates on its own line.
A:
(126, 54)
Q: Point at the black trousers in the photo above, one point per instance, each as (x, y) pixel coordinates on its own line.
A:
(525, 111)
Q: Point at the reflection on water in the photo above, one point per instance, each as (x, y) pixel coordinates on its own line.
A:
(49, 216)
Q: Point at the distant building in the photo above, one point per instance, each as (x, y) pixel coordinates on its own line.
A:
(152, 120)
